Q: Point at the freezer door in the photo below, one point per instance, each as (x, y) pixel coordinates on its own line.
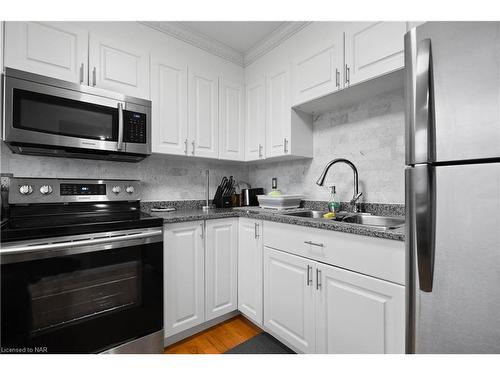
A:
(453, 92)
(462, 313)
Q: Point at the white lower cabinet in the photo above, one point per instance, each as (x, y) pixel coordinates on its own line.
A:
(289, 299)
(318, 308)
(221, 267)
(200, 272)
(250, 269)
(357, 314)
(184, 276)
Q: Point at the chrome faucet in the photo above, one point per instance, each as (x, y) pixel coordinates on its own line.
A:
(356, 195)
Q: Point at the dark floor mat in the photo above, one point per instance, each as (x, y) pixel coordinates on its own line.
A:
(263, 343)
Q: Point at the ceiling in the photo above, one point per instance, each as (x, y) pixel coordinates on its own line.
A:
(240, 36)
(241, 42)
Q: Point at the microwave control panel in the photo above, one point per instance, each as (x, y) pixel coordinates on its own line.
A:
(134, 127)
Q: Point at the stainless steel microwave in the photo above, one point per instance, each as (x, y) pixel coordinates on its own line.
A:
(47, 116)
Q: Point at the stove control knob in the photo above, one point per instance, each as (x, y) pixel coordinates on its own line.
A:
(129, 189)
(116, 189)
(46, 189)
(26, 189)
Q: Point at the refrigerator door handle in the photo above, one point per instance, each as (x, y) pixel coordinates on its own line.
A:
(423, 220)
(420, 144)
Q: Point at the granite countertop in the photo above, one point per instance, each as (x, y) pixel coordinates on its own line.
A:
(182, 215)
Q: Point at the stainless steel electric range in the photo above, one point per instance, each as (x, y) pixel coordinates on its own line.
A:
(81, 269)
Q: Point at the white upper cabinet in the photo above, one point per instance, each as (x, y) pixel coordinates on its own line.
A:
(221, 267)
(169, 98)
(184, 280)
(231, 120)
(289, 299)
(250, 268)
(358, 314)
(119, 65)
(54, 49)
(278, 112)
(203, 112)
(318, 68)
(255, 136)
(373, 49)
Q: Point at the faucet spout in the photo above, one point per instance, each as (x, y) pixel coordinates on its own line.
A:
(356, 195)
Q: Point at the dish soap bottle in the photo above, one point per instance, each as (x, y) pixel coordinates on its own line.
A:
(333, 203)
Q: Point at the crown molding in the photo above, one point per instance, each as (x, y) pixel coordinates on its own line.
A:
(182, 32)
(274, 39)
(186, 34)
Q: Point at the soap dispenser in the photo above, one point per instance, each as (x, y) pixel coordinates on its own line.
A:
(333, 203)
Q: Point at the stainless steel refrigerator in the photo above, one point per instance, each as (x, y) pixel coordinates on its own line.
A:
(453, 187)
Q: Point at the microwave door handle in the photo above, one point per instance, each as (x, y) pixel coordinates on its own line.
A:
(119, 145)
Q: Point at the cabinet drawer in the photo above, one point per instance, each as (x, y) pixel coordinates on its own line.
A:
(372, 256)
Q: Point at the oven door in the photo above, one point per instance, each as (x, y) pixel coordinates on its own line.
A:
(41, 114)
(84, 294)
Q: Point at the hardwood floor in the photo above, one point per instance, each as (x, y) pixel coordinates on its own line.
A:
(218, 339)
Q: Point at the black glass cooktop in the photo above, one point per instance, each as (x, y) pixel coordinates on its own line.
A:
(42, 221)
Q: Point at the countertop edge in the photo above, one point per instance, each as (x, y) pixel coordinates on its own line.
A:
(356, 229)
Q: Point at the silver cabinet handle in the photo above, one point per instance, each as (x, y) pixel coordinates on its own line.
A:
(186, 146)
(202, 234)
(94, 76)
(309, 275)
(257, 234)
(119, 144)
(347, 74)
(81, 73)
(192, 143)
(337, 78)
(285, 144)
(314, 243)
(260, 150)
(318, 278)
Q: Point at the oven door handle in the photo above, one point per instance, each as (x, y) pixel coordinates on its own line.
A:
(85, 242)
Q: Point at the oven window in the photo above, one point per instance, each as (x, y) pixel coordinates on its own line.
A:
(82, 303)
(60, 299)
(55, 115)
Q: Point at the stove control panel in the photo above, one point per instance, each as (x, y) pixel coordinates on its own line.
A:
(54, 190)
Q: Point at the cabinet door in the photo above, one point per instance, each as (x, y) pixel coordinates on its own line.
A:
(118, 65)
(54, 49)
(373, 49)
(202, 113)
(169, 100)
(278, 112)
(255, 120)
(231, 121)
(289, 299)
(318, 70)
(221, 267)
(184, 281)
(358, 314)
(250, 269)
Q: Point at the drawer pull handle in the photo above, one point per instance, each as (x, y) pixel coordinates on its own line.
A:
(314, 243)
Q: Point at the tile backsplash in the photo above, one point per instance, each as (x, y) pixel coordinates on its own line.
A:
(164, 177)
(369, 133)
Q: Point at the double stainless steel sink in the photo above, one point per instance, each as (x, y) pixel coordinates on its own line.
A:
(381, 222)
